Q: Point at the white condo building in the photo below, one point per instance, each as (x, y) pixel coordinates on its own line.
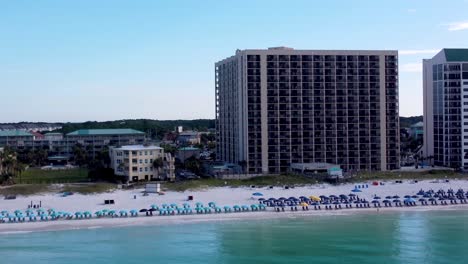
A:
(136, 163)
(445, 93)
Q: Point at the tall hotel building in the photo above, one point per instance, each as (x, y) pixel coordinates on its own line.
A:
(445, 93)
(281, 106)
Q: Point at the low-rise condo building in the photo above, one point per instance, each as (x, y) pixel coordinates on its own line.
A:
(138, 162)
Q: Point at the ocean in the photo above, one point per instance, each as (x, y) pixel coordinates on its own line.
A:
(397, 237)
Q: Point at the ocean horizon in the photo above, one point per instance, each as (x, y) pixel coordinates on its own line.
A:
(396, 237)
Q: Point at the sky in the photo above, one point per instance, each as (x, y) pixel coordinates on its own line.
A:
(102, 60)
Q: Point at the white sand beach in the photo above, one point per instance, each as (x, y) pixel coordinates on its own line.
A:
(124, 200)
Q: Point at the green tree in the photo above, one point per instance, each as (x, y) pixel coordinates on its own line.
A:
(194, 165)
(80, 154)
(11, 166)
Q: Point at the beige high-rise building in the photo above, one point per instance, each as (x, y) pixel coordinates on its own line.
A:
(445, 93)
(279, 106)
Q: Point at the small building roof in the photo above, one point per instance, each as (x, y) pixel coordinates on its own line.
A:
(138, 147)
(53, 134)
(100, 132)
(15, 133)
(418, 124)
(314, 166)
(189, 133)
(456, 55)
(189, 148)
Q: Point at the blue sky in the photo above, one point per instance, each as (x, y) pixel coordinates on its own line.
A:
(109, 59)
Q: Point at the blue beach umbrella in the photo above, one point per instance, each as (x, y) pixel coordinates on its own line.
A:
(257, 194)
(356, 190)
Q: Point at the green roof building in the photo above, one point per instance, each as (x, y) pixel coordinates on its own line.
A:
(105, 132)
(16, 138)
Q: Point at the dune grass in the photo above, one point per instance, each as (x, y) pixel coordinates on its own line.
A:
(89, 188)
(25, 189)
(38, 176)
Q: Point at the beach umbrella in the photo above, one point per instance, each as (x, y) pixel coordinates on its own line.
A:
(17, 212)
(257, 194)
(407, 196)
(409, 200)
(388, 197)
(134, 212)
(414, 196)
(375, 202)
(199, 204)
(422, 200)
(164, 206)
(304, 204)
(356, 190)
(173, 205)
(386, 201)
(153, 206)
(336, 202)
(211, 204)
(315, 198)
(143, 210)
(261, 199)
(396, 197)
(377, 198)
(352, 195)
(396, 201)
(123, 212)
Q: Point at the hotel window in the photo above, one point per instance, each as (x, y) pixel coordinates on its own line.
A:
(141, 153)
(119, 161)
(141, 169)
(141, 161)
(146, 161)
(151, 152)
(151, 160)
(146, 169)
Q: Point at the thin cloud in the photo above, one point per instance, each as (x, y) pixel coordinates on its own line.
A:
(456, 26)
(416, 52)
(411, 67)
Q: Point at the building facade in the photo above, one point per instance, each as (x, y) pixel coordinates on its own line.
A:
(16, 139)
(445, 93)
(281, 106)
(136, 163)
(92, 141)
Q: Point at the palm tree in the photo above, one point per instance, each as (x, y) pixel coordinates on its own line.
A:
(10, 165)
(158, 164)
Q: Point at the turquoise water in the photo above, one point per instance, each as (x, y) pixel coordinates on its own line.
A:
(406, 237)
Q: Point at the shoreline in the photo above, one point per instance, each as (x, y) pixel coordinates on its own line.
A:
(156, 220)
(222, 196)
